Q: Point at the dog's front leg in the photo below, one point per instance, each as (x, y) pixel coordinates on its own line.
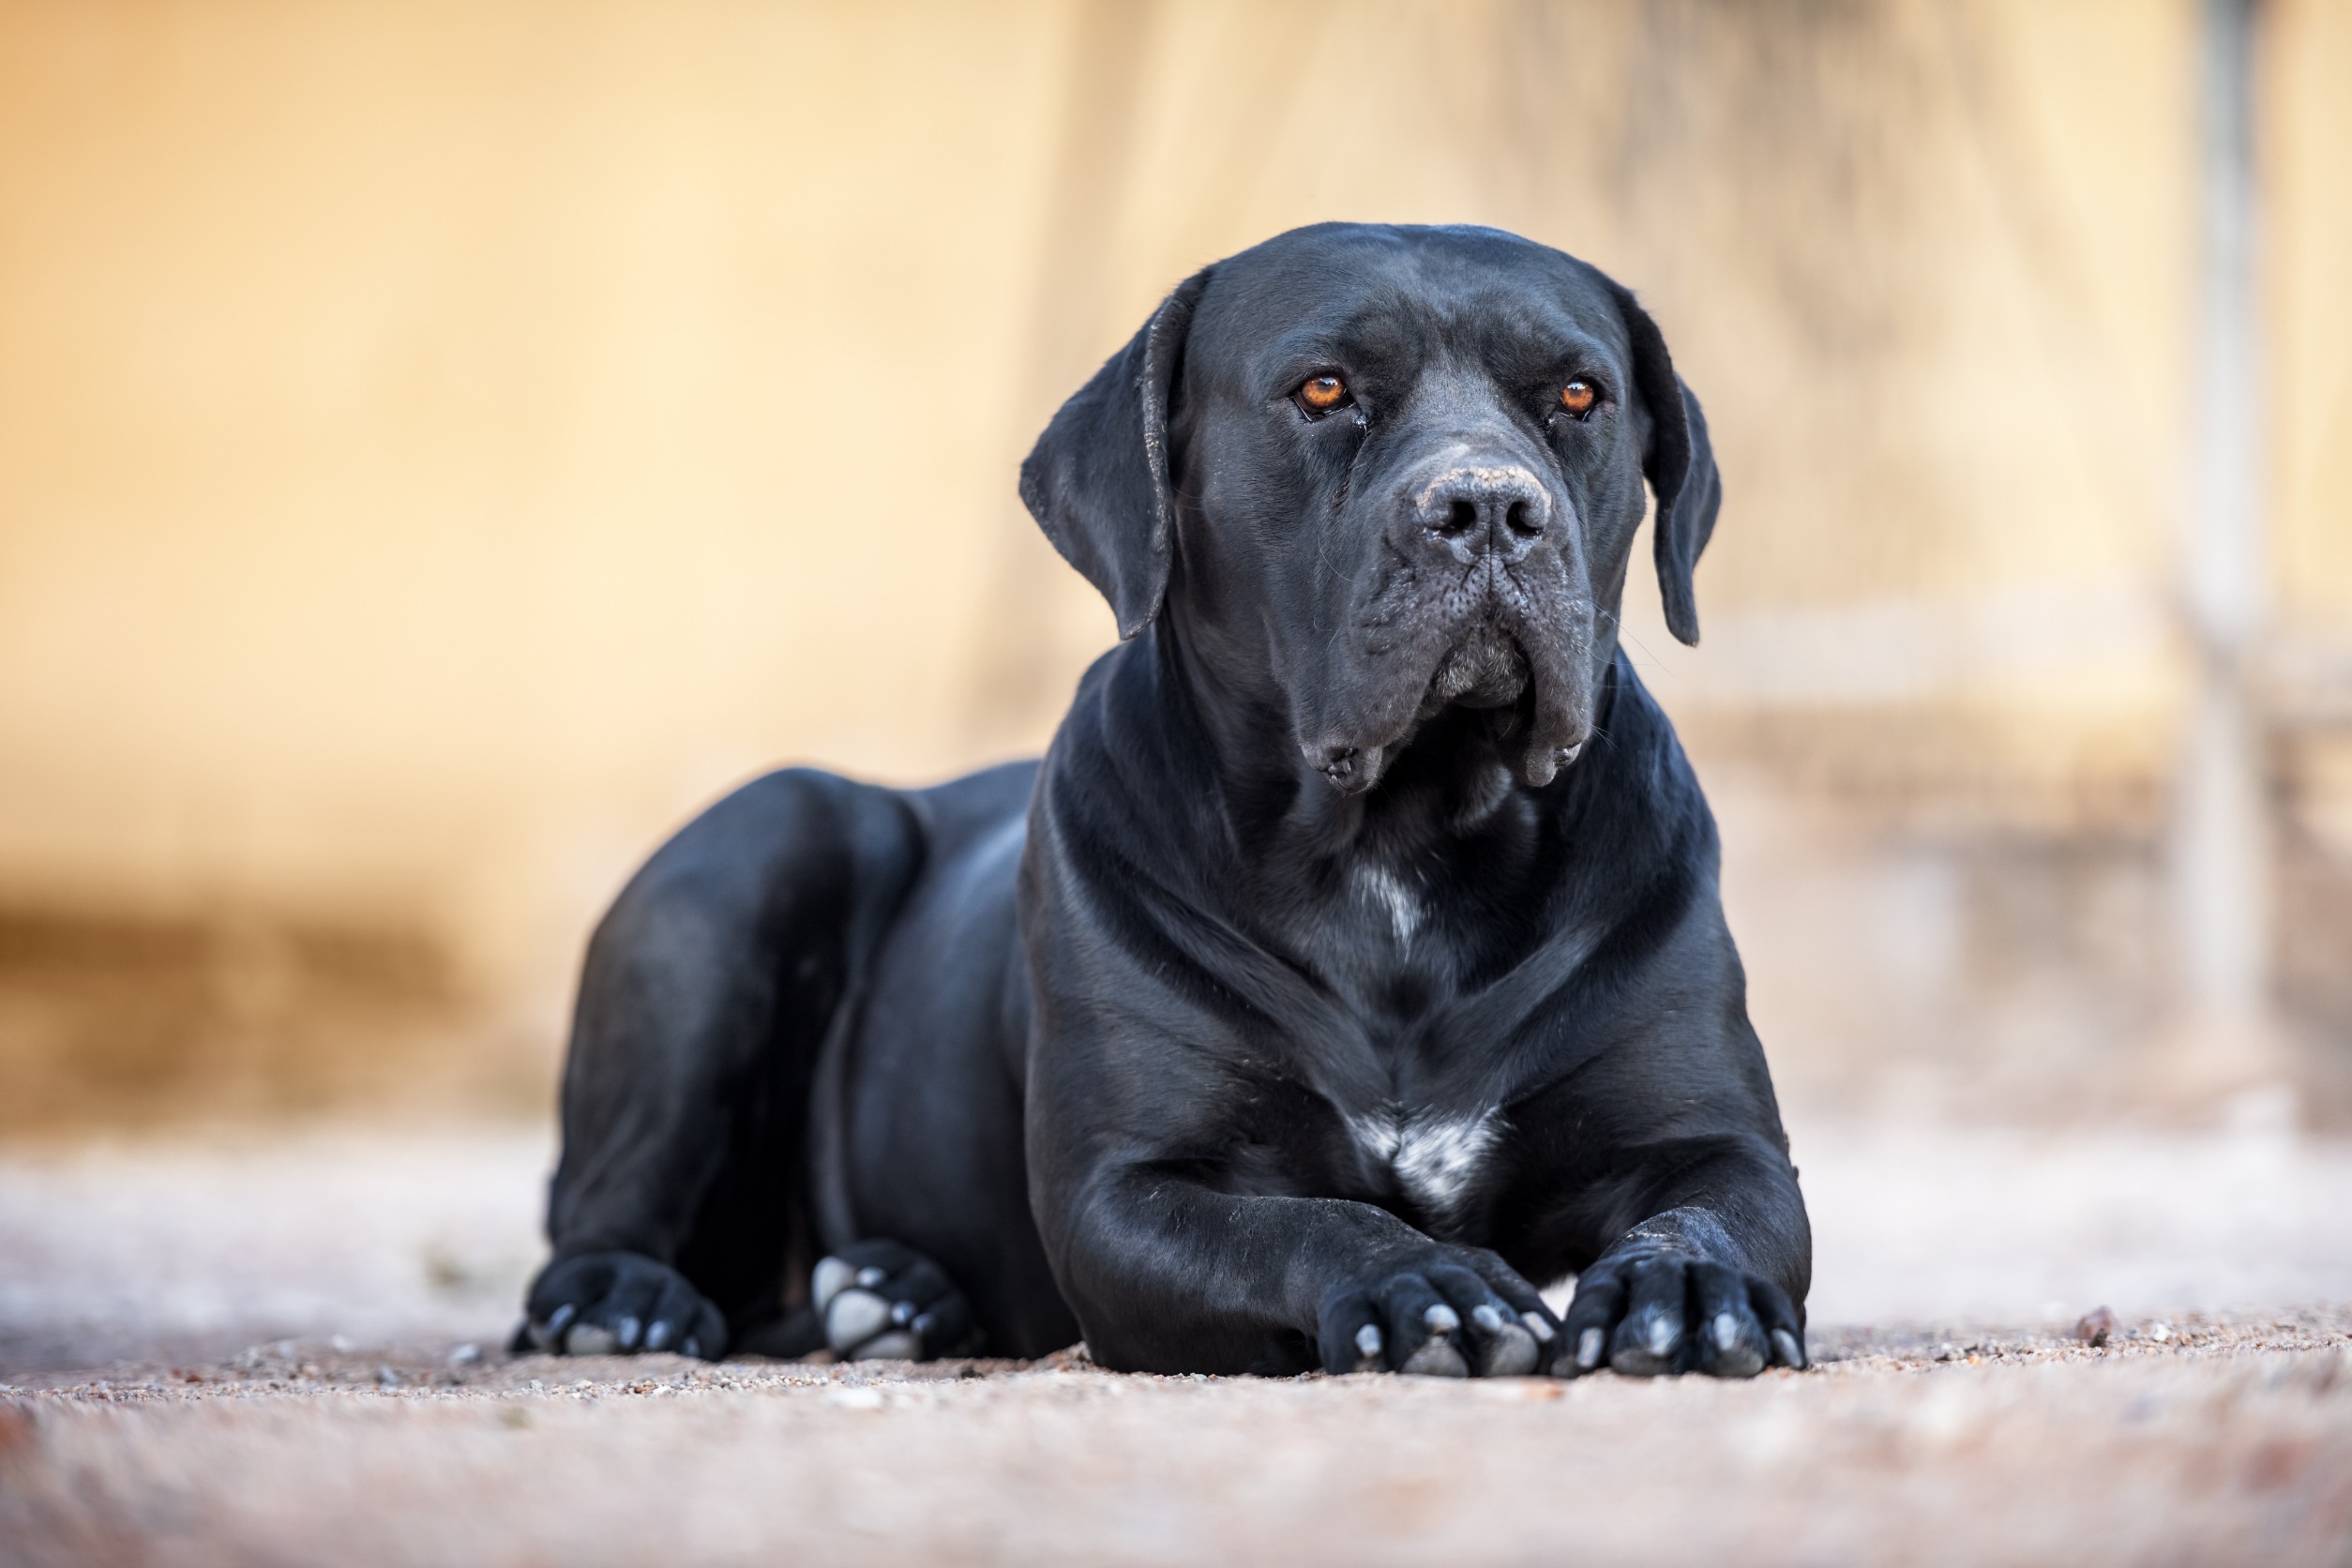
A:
(1167, 1275)
(1709, 1281)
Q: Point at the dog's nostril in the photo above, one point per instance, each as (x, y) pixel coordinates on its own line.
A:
(1521, 519)
(1461, 517)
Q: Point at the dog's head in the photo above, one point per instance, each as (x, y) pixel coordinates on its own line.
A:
(1379, 472)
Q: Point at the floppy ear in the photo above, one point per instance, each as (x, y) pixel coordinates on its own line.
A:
(1097, 481)
(1680, 467)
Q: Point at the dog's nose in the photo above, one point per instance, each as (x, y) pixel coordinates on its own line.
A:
(1475, 511)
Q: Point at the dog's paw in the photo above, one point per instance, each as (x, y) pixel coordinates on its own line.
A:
(884, 1301)
(1648, 1315)
(1458, 1313)
(603, 1304)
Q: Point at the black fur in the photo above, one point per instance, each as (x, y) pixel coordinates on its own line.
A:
(1353, 959)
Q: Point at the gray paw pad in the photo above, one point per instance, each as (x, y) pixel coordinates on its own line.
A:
(588, 1339)
(852, 1316)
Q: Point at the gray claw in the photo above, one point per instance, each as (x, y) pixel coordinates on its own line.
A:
(692, 1346)
(1786, 1348)
(625, 1331)
(1368, 1348)
(1437, 1357)
(1537, 1326)
(561, 1320)
(659, 1336)
(1589, 1346)
(871, 1275)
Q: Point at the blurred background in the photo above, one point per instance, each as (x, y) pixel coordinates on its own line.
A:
(443, 446)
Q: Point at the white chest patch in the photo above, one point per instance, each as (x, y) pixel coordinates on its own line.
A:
(1385, 890)
(1435, 1154)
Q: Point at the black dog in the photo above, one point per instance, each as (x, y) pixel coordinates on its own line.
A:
(1353, 957)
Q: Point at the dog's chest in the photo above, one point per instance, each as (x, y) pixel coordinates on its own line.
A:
(1436, 1157)
(1387, 956)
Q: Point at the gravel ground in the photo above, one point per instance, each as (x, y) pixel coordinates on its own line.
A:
(282, 1351)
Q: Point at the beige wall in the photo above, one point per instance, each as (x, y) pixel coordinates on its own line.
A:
(438, 444)
(441, 445)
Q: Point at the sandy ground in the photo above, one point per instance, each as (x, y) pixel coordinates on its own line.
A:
(263, 1350)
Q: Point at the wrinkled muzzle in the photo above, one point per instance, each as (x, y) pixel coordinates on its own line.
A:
(1479, 600)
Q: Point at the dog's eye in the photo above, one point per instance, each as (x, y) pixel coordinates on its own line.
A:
(1321, 394)
(1579, 397)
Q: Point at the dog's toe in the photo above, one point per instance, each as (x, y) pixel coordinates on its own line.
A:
(853, 1317)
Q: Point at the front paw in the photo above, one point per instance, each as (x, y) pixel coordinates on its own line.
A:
(602, 1303)
(1460, 1313)
(1651, 1313)
(882, 1301)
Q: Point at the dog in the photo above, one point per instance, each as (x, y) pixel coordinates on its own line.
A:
(1352, 960)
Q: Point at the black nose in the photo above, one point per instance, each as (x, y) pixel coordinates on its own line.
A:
(1477, 510)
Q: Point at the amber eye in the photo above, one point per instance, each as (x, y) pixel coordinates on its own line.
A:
(1578, 396)
(1321, 394)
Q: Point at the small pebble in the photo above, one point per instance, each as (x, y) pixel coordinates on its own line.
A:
(2094, 1326)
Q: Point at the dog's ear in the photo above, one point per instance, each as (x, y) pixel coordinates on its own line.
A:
(1098, 482)
(1681, 466)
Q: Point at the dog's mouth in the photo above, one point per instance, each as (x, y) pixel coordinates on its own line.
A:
(1486, 669)
(1513, 650)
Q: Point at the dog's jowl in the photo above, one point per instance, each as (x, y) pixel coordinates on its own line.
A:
(1352, 964)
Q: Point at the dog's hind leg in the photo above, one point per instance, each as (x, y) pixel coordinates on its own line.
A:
(679, 1214)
